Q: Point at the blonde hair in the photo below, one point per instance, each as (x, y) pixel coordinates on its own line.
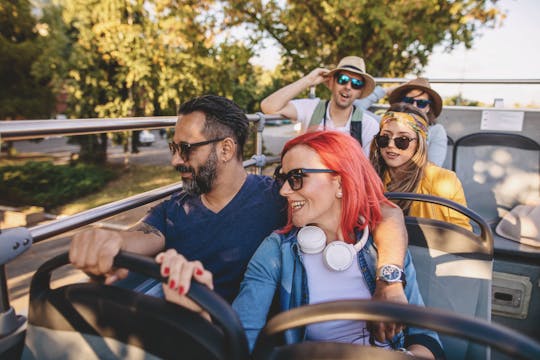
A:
(408, 176)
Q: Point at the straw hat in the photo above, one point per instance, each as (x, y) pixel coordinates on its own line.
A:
(522, 224)
(355, 64)
(421, 84)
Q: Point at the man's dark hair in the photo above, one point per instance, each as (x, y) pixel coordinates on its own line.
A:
(223, 118)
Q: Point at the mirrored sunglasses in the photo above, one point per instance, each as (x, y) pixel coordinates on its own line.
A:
(401, 142)
(295, 177)
(419, 103)
(343, 79)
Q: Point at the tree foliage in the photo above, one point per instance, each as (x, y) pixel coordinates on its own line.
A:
(118, 58)
(48, 185)
(142, 58)
(22, 94)
(395, 37)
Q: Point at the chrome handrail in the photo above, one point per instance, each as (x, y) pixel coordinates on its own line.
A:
(45, 231)
(31, 129)
(463, 81)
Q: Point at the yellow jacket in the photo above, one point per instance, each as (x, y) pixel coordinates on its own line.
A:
(444, 183)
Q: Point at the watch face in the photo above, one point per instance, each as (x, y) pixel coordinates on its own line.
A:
(390, 273)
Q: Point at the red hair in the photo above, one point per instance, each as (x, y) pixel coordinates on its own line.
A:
(362, 188)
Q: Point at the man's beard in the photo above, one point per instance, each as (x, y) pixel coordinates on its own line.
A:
(202, 181)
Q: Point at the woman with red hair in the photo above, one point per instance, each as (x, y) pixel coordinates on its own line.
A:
(326, 251)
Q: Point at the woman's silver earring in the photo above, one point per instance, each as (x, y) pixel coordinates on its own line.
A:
(339, 195)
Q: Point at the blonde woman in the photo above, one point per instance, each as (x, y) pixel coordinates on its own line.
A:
(399, 155)
(417, 92)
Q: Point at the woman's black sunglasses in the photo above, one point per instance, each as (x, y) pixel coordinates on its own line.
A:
(420, 103)
(295, 177)
(401, 142)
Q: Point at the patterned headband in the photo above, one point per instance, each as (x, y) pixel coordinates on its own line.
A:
(414, 121)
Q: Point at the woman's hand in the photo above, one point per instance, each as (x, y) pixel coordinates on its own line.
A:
(385, 331)
(420, 351)
(180, 272)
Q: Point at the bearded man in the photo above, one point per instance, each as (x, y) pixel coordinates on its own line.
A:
(348, 82)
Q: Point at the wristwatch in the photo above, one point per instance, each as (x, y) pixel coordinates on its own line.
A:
(390, 274)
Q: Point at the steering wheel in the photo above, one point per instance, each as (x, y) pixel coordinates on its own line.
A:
(135, 304)
(480, 331)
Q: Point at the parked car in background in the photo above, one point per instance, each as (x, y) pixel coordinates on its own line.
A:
(146, 138)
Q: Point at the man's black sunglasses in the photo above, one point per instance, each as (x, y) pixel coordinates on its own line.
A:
(401, 142)
(184, 148)
(295, 177)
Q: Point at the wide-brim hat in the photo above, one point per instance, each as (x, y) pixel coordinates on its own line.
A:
(355, 64)
(521, 224)
(421, 84)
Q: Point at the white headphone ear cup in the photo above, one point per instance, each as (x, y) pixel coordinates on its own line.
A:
(311, 239)
(338, 255)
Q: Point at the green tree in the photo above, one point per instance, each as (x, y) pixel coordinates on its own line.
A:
(117, 58)
(96, 52)
(22, 94)
(394, 37)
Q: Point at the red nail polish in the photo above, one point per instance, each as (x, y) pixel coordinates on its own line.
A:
(166, 270)
(171, 284)
(198, 272)
(181, 290)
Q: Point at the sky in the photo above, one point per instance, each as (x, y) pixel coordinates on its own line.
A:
(511, 51)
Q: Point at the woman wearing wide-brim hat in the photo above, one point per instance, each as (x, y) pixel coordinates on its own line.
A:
(418, 92)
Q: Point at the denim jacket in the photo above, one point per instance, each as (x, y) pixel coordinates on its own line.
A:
(277, 265)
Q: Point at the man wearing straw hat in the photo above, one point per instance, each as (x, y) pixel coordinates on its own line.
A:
(347, 82)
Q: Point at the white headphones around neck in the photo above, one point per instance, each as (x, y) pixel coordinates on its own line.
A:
(337, 255)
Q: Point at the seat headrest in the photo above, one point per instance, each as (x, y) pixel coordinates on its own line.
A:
(521, 224)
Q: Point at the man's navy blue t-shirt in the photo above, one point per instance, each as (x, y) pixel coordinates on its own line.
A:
(225, 241)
